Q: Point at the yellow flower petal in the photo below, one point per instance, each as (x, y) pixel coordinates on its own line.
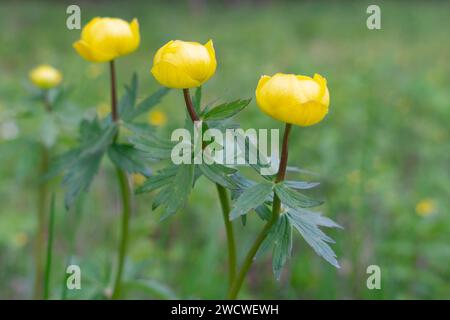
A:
(180, 64)
(45, 77)
(294, 99)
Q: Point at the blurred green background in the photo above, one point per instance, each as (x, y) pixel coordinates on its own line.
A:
(382, 152)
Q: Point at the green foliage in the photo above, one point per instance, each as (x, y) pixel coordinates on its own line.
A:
(128, 158)
(226, 110)
(251, 198)
(307, 224)
(293, 199)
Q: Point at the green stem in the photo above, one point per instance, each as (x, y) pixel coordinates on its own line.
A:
(126, 196)
(40, 235)
(224, 202)
(51, 224)
(276, 206)
(223, 196)
(125, 191)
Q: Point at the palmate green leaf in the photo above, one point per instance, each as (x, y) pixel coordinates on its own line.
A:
(128, 158)
(251, 198)
(145, 105)
(301, 185)
(179, 190)
(293, 199)
(162, 178)
(153, 147)
(308, 226)
(101, 142)
(226, 110)
(80, 175)
(280, 238)
(219, 174)
(139, 128)
(128, 100)
(61, 163)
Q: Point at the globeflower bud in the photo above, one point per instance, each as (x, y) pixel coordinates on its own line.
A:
(105, 39)
(179, 64)
(293, 99)
(45, 77)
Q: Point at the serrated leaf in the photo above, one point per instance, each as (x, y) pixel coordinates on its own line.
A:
(179, 190)
(301, 185)
(317, 218)
(153, 147)
(161, 178)
(217, 174)
(146, 105)
(293, 199)
(80, 176)
(94, 138)
(128, 100)
(308, 228)
(60, 163)
(128, 158)
(282, 245)
(263, 212)
(250, 199)
(139, 128)
(226, 110)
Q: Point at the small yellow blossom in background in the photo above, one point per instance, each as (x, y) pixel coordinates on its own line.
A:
(21, 239)
(425, 207)
(103, 109)
(354, 177)
(105, 39)
(45, 77)
(94, 71)
(138, 179)
(293, 99)
(182, 65)
(157, 118)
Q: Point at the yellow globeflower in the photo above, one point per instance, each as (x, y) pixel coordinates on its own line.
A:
(105, 39)
(179, 64)
(103, 109)
(294, 99)
(138, 179)
(157, 118)
(425, 207)
(45, 77)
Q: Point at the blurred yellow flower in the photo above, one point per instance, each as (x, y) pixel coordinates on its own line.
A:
(138, 179)
(105, 39)
(425, 207)
(157, 118)
(354, 177)
(294, 99)
(103, 109)
(21, 239)
(179, 64)
(45, 76)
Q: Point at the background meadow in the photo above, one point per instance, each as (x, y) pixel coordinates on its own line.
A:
(382, 154)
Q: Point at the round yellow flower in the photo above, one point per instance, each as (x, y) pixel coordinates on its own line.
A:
(425, 207)
(45, 77)
(103, 109)
(157, 118)
(138, 179)
(105, 39)
(179, 64)
(294, 99)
